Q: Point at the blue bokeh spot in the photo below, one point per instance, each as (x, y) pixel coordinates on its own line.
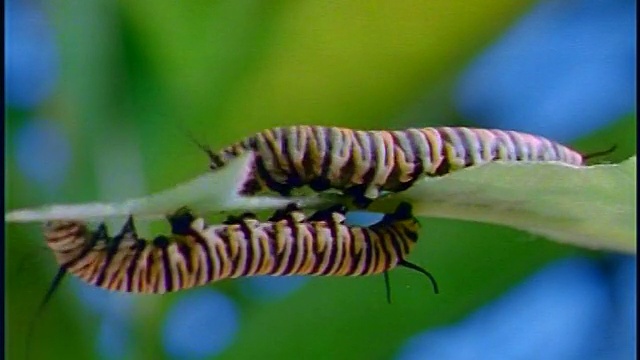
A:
(31, 58)
(623, 333)
(201, 323)
(43, 152)
(558, 313)
(565, 70)
(270, 288)
(362, 218)
(103, 302)
(114, 338)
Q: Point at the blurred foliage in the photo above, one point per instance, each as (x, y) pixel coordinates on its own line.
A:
(136, 76)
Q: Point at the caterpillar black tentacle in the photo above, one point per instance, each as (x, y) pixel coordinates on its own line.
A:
(589, 156)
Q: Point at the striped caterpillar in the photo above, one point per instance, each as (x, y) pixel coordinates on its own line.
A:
(196, 254)
(364, 163)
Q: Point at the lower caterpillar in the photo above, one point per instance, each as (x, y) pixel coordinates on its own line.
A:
(196, 254)
(364, 163)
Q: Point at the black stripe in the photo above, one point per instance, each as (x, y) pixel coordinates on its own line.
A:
(384, 236)
(295, 248)
(185, 251)
(319, 236)
(415, 137)
(467, 143)
(325, 133)
(168, 278)
(270, 232)
(395, 164)
(112, 250)
(262, 254)
(410, 234)
(368, 253)
(270, 145)
(272, 252)
(494, 142)
(149, 266)
(208, 257)
(560, 153)
(351, 162)
(247, 233)
(294, 179)
(99, 234)
(339, 247)
(139, 246)
(418, 166)
(398, 242)
(332, 254)
(227, 237)
(271, 183)
(517, 152)
(278, 167)
(112, 246)
(417, 160)
(371, 172)
(162, 243)
(445, 165)
(355, 257)
(300, 247)
(224, 235)
(248, 258)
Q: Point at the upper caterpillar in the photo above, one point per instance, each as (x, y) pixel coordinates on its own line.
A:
(364, 163)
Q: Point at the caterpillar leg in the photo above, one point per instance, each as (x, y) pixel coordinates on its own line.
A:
(180, 221)
(358, 195)
(417, 268)
(328, 213)
(320, 184)
(231, 219)
(129, 231)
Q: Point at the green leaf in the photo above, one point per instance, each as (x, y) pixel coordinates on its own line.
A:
(592, 207)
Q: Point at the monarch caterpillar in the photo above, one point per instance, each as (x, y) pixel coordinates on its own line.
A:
(196, 254)
(364, 163)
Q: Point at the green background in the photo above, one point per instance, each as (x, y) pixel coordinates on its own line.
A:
(136, 77)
